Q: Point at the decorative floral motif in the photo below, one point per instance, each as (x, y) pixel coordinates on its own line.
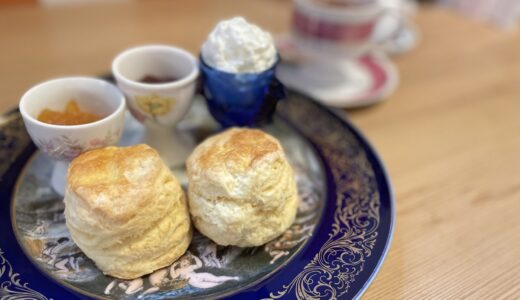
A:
(109, 139)
(62, 147)
(155, 105)
(67, 148)
(11, 286)
(356, 217)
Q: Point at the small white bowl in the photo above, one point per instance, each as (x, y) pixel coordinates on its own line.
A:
(157, 103)
(65, 142)
(159, 106)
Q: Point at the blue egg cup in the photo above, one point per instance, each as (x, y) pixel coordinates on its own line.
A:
(241, 99)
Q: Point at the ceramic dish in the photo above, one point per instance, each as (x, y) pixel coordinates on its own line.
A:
(344, 83)
(333, 250)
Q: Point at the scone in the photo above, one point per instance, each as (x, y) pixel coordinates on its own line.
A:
(126, 211)
(242, 190)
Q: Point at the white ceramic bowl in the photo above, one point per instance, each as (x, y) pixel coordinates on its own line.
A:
(158, 103)
(64, 142)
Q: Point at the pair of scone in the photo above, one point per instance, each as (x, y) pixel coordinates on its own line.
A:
(128, 213)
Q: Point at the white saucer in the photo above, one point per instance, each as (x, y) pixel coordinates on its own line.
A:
(340, 83)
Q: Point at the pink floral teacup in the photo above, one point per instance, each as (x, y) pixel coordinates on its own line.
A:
(339, 28)
(65, 142)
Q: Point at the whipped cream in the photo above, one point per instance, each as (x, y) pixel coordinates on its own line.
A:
(237, 46)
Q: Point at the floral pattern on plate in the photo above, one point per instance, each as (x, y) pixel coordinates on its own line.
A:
(66, 148)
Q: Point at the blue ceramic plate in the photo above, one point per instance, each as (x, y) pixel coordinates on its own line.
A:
(333, 250)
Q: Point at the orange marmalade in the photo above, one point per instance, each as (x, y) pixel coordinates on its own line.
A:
(71, 116)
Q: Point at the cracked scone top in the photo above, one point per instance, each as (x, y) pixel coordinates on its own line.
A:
(242, 190)
(126, 211)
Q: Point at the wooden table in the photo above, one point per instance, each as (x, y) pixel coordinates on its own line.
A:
(450, 134)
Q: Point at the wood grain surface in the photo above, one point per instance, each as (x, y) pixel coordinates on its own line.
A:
(449, 135)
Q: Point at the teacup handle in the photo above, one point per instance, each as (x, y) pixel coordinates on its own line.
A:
(398, 14)
(275, 92)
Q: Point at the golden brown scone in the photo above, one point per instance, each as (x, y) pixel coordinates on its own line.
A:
(126, 211)
(242, 190)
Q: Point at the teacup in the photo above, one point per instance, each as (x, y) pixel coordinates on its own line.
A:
(159, 105)
(65, 142)
(343, 29)
(345, 3)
